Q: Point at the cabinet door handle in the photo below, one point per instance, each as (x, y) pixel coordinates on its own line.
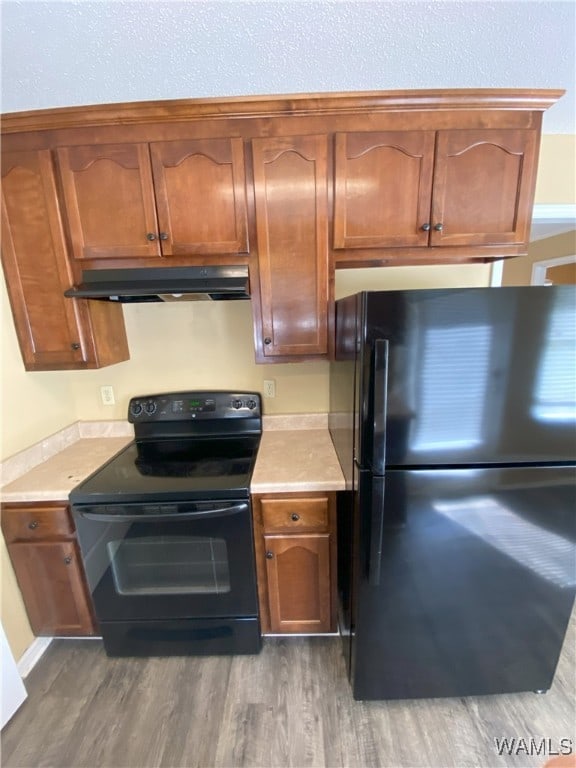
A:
(439, 227)
(426, 227)
(267, 341)
(295, 517)
(269, 555)
(75, 345)
(68, 559)
(163, 236)
(34, 524)
(151, 236)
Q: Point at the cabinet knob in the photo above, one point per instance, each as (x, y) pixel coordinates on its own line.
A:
(163, 236)
(68, 559)
(425, 227)
(438, 227)
(267, 341)
(269, 555)
(75, 345)
(295, 516)
(151, 236)
(34, 524)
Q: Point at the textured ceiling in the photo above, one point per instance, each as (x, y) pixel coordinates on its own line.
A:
(66, 53)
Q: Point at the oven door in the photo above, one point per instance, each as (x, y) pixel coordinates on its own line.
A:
(173, 561)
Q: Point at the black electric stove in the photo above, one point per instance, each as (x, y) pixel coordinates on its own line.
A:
(165, 528)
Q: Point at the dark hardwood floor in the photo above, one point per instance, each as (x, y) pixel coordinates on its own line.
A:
(289, 706)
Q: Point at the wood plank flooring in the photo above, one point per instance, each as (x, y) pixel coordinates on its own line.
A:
(289, 706)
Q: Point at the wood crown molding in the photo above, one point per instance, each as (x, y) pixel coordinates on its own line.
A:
(129, 113)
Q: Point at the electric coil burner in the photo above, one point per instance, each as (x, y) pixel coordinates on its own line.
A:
(165, 528)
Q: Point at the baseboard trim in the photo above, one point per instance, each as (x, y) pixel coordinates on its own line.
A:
(32, 655)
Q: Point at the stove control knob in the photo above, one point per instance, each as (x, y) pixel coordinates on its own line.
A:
(136, 409)
(251, 404)
(150, 407)
(237, 404)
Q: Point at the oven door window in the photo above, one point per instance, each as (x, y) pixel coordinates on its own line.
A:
(170, 565)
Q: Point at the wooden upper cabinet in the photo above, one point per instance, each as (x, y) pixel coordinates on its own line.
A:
(424, 188)
(290, 189)
(483, 187)
(151, 200)
(53, 332)
(382, 190)
(200, 196)
(109, 201)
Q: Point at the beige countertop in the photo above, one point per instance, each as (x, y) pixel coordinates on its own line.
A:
(289, 460)
(53, 479)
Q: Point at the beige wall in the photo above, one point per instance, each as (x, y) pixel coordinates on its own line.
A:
(519, 271)
(195, 345)
(564, 274)
(556, 180)
(33, 405)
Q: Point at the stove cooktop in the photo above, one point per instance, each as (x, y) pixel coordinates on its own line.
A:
(189, 446)
(173, 470)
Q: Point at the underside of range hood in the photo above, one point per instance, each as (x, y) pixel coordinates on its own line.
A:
(215, 283)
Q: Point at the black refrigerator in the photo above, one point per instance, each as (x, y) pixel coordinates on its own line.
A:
(452, 413)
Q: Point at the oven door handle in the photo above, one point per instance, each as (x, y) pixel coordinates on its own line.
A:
(107, 518)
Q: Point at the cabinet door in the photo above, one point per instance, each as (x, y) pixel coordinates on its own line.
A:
(483, 187)
(50, 577)
(200, 196)
(290, 185)
(298, 573)
(110, 201)
(34, 257)
(382, 189)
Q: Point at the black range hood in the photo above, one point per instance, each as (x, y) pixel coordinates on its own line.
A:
(217, 283)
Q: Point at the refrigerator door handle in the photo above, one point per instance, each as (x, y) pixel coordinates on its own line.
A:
(380, 384)
(376, 532)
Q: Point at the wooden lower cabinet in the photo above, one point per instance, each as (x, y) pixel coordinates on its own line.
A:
(46, 559)
(295, 554)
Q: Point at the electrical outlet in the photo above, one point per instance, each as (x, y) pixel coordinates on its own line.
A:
(269, 388)
(107, 394)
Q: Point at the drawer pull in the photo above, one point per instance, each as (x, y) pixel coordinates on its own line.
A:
(269, 555)
(295, 517)
(68, 559)
(34, 524)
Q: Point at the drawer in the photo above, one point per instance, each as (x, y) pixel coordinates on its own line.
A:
(36, 523)
(295, 515)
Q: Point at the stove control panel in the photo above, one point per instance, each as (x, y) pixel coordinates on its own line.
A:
(189, 406)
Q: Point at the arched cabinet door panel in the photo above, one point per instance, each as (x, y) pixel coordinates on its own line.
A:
(200, 196)
(290, 190)
(434, 188)
(109, 200)
(54, 333)
(167, 198)
(298, 572)
(382, 188)
(483, 187)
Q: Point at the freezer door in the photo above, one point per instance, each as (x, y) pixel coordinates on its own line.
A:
(475, 582)
(473, 376)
